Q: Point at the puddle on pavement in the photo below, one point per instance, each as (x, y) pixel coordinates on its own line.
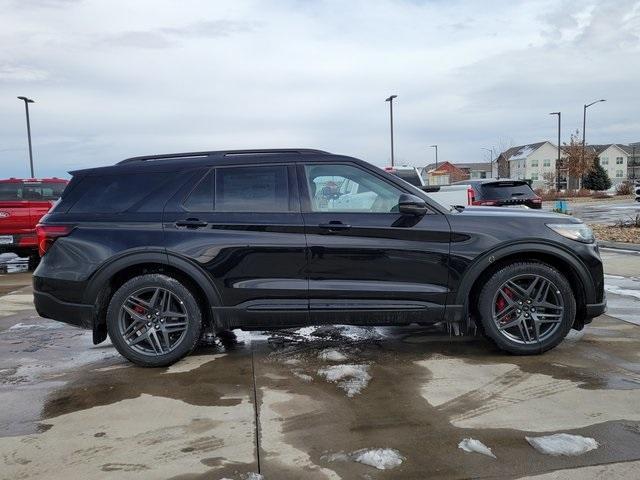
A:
(426, 393)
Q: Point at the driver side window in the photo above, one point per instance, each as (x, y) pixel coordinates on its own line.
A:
(348, 189)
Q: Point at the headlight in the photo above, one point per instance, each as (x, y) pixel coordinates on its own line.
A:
(574, 231)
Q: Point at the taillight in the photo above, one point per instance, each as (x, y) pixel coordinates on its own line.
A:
(47, 234)
(470, 196)
(536, 200)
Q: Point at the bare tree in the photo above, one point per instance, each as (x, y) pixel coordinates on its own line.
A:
(578, 160)
(549, 180)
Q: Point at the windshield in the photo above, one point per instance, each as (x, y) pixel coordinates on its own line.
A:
(505, 190)
(30, 191)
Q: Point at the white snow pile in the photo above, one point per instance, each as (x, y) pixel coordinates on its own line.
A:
(252, 476)
(380, 458)
(332, 355)
(562, 444)
(471, 445)
(349, 377)
(302, 376)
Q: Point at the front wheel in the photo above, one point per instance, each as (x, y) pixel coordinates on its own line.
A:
(527, 308)
(154, 320)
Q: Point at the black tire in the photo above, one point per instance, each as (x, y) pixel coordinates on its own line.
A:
(562, 292)
(190, 333)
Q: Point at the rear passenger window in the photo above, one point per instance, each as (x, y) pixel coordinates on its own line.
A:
(115, 193)
(201, 198)
(252, 189)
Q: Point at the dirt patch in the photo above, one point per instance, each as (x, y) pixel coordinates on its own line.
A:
(616, 234)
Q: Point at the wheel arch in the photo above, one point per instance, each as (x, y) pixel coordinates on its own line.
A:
(109, 277)
(559, 258)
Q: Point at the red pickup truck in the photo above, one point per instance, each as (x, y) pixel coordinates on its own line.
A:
(22, 203)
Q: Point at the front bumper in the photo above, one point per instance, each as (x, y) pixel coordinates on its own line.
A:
(76, 314)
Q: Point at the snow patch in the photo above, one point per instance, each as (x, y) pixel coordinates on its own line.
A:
(332, 355)
(252, 476)
(562, 444)
(37, 326)
(349, 377)
(471, 445)
(625, 292)
(303, 376)
(380, 458)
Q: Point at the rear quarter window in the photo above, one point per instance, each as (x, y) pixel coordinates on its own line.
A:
(115, 193)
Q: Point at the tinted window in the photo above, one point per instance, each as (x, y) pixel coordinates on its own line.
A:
(344, 188)
(31, 191)
(201, 198)
(506, 190)
(252, 189)
(410, 176)
(115, 193)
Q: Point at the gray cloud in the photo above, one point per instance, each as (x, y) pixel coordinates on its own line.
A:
(116, 79)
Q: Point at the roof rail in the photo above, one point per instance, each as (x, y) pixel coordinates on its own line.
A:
(222, 153)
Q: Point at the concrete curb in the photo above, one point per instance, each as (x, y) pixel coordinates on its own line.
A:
(619, 245)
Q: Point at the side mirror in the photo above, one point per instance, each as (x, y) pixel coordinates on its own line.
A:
(412, 205)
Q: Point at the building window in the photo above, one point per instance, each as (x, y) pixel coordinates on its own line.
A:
(619, 160)
(546, 162)
(604, 161)
(534, 176)
(619, 173)
(534, 163)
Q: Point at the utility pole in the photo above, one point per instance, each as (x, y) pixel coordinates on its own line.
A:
(27, 101)
(390, 100)
(559, 114)
(436, 147)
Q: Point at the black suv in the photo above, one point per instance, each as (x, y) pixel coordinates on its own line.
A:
(502, 193)
(156, 251)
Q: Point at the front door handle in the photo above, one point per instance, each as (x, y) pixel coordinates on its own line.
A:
(334, 226)
(191, 223)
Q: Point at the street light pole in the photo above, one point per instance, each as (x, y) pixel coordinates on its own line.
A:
(436, 147)
(390, 100)
(27, 101)
(490, 150)
(559, 114)
(584, 124)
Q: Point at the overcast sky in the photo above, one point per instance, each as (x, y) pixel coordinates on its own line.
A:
(113, 79)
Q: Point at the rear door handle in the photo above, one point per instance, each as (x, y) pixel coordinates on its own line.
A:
(191, 223)
(334, 226)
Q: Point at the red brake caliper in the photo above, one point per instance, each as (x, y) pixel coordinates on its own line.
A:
(501, 303)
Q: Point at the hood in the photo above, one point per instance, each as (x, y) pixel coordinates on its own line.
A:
(520, 213)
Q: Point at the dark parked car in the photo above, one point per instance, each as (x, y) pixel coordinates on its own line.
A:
(156, 250)
(503, 193)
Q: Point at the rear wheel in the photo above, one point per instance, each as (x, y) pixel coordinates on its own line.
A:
(527, 308)
(154, 320)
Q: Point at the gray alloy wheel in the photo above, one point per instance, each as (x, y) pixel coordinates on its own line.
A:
(153, 321)
(528, 309)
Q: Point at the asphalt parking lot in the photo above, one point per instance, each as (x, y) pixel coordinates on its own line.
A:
(317, 403)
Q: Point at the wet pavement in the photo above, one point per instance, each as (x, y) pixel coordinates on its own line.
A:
(307, 403)
(606, 212)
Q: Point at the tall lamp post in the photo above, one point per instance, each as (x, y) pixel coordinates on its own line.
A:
(490, 150)
(390, 100)
(559, 114)
(584, 123)
(436, 147)
(27, 101)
